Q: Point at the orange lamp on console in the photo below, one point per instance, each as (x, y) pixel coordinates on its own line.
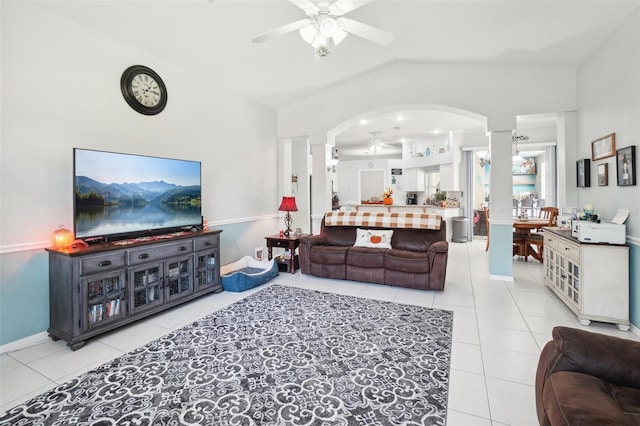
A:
(62, 238)
(288, 204)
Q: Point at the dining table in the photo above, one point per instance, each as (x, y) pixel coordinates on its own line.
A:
(524, 227)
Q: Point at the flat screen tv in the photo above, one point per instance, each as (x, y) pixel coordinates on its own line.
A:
(119, 196)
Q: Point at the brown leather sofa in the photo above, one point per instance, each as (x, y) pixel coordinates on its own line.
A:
(417, 259)
(585, 378)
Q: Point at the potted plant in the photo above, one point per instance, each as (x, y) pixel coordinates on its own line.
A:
(440, 198)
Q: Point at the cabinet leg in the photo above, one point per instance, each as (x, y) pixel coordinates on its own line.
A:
(623, 327)
(77, 345)
(585, 321)
(54, 338)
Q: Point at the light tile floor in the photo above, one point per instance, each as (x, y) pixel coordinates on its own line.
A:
(499, 329)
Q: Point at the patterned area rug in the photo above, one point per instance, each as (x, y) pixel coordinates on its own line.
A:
(281, 356)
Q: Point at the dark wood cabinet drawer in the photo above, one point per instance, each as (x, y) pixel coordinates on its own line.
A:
(279, 243)
(208, 242)
(102, 262)
(160, 252)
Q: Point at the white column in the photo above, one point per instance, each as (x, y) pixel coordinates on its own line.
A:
(566, 149)
(501, 177)
(320, 183)
(501, 196)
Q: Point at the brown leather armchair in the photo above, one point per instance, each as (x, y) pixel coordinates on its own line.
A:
(585, 378)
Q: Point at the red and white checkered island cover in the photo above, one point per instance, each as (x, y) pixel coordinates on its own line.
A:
(383, 220)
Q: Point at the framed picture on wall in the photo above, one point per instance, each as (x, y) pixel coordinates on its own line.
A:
(603, 147)
(583, 173)
(527, 166)
(603, 174)
(626, 166)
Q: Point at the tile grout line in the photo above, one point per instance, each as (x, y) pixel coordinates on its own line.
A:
(475, 312)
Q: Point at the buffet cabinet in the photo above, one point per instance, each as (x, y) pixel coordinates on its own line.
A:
(97, 289)
(591, 279)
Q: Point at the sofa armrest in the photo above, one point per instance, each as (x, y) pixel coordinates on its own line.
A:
(438, 256)
(304, 250)
(438, 247)
(312, 240)
(609, 358)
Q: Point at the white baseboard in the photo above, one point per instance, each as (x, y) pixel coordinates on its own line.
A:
(508, 278)
(32, 340)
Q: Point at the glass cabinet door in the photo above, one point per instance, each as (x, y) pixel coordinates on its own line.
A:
(549, 255)
(561, 274)
(179, 278)
(573, 282)
(206, 270)
(147, 287)
(103, 298)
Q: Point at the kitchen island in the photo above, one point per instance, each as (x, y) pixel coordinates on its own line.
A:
(446, 212)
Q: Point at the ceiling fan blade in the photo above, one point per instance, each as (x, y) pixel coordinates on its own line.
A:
(340, 7)
(365, 31)
(294, 26)
(309, 8)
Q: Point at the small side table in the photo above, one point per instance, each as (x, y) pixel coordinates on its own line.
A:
(291, 243)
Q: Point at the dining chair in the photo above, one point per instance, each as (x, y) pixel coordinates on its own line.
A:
(520, 247)
(547, 212)
(538, 203)
(550, 214)
(536, 239)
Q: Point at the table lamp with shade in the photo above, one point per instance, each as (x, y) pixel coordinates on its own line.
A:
(288, 205)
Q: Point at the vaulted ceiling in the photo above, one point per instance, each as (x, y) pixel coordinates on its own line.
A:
(215, 37)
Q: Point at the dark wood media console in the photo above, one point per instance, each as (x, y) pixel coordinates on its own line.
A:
(105, 286)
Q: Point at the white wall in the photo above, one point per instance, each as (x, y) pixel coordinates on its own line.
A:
(349, 176)
(484, 90)
(609, 101)
(61, 89)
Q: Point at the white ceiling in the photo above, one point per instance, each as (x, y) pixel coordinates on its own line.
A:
(215, 36)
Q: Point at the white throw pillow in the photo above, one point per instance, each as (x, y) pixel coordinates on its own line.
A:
(374, 238)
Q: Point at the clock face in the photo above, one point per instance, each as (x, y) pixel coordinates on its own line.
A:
(146, 90)
(143, 89)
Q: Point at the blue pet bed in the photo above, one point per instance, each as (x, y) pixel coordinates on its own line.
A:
(247, 273)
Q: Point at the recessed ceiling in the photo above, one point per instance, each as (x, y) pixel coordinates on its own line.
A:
(403, 126)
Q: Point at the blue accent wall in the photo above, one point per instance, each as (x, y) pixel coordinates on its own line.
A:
(634, 284)
(24, 294)
(24, 277)
(500, 249)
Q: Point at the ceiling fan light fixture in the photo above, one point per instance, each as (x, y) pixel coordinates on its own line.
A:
(375, 147)
(308, 33)
(338, 36)
(319, 41)
(327, 25)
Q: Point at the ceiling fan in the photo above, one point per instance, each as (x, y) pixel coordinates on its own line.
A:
(376, 144)
(326, 24)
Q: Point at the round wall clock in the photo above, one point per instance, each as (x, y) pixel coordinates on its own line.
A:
(143, 89)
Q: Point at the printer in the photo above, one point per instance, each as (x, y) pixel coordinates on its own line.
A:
(604, 232)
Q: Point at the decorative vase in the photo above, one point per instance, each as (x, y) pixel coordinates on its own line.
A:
(387, 201)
